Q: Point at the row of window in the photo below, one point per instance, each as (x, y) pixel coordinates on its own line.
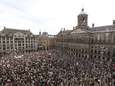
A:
(92, 51)
(17, 42)
(7, 48)
(86, 40)
(12, 37)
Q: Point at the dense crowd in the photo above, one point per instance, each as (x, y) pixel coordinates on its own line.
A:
(51, 68)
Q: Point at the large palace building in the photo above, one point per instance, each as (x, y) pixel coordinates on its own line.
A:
(85, 41)
(14, 40)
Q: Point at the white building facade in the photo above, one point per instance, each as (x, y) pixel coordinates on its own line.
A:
(16, 40)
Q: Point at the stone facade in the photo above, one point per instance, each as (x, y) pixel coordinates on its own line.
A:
(46, 41)
(14, 40)
(89, 42)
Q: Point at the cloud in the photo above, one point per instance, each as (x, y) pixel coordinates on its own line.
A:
(52, 15)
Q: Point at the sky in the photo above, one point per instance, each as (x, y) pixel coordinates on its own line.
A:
(52, 15)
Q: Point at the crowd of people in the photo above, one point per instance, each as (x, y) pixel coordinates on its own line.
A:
(52, 68)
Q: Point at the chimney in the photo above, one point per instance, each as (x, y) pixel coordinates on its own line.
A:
(113, 22)
(4, 27)
(64, 29)
(40, 33)
(93, 25)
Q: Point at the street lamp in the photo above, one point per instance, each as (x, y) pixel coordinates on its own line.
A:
(90, 37)
(62, 43)
(102, 52)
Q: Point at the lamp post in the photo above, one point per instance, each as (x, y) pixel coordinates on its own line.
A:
(102, 52)
(90, 37)
(62, 43)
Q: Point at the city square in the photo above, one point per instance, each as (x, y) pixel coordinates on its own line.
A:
(57, 43)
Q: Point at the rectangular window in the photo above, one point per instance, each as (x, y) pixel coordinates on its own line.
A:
(3, 41)
(11, 41)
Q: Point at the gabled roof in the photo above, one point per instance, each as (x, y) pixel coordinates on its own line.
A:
(12, 31)
(64, 32)
(107, 28)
